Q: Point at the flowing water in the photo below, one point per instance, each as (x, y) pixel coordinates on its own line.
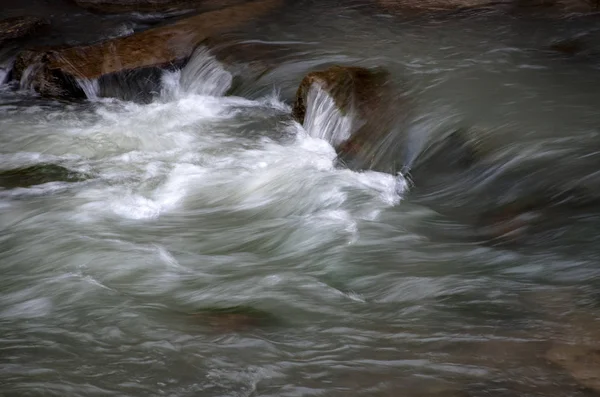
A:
(199, 200)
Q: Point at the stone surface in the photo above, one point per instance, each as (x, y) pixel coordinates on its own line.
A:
(554, 6)
(432, 5)
(235, 318)
(54, 72)
(577, 351)
(582, 362)
(369, 97)
(119, 6)
(247, 60)
(37, 175)
(350, 87)
(19, 27)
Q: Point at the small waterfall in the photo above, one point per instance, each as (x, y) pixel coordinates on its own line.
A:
(203, 75)
(91, 88)
(5, 69)
(27, 78)
(323, 118)
(7, 59)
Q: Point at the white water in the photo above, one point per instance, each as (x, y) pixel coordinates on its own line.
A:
(324, 120)
(91, 88)
(5, 68)
(202, 75)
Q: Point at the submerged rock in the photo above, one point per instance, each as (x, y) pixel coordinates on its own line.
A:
(19, 27)
(432, 5)
(582, 362)
(118, 6)
(376, 110)
(560, 6)
(248, 61)
(57, 72)
(37, 175)
(235, 318)
(555, 7)
(578, 351)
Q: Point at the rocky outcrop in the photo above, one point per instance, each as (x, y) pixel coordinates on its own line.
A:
(54, 72)
(377, 110)
(119, 6)
(18, 28)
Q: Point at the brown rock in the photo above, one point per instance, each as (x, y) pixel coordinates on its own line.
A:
(236, 318)
(350, 87)
(159, 47)
(247, 61)
(18, 27)
(581, 361)
(368, 97)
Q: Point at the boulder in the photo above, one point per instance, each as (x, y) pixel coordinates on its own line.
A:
(18, 28)
(377, 110)
(120, 6)
(37, 175)
(352, 88)
(56, 72)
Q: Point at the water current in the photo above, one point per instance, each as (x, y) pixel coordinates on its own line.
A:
(200, 200)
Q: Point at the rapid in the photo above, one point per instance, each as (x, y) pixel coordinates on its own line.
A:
(210, 195)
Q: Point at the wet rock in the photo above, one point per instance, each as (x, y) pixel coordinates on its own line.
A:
(445, 156)
(56, 72)
(578, 350)
(535, 212)
(377, 110)
(235, 318)
(403, 7)
(352, 88)
(248, 61)
(571, 46)
(558, 6)
(581, 361)
(119, 6)
(37, 175)
(19, 27)
(32, 69)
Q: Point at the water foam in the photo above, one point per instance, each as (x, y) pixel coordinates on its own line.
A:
(202, 75)
(324, 120)
(91, 88)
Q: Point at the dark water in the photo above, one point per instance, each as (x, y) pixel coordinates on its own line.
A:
(379, 288)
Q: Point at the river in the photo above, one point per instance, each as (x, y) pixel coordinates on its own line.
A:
(198, 200)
